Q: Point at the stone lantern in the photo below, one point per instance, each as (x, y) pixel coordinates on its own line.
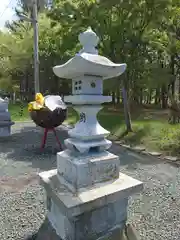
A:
(87, 195)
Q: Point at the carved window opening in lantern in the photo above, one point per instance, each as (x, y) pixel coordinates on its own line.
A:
(90, 150)
(94, 149)
(77, 85)
(93, 84)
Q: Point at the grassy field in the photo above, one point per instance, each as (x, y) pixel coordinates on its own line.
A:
(15, 110)
(150, 127)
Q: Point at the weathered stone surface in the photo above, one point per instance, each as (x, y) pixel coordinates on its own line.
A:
(126, 146)
(118, 142)
(157, 154)
(86, 170)
(47, 232)
(87, 196)
(145, 152)
(88, 199)
(86, 147)
(171, 158)
(98, 212)
(91, 213)
(138, 148)
(92, 225)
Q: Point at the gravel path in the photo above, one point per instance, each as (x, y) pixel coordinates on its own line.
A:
(155, 211)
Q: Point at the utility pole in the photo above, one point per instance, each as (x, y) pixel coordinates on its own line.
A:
(36, 47)
(32, 4)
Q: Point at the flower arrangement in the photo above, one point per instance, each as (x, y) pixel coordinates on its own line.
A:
(37, 104)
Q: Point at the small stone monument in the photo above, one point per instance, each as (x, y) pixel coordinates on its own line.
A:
(5, 119)
(87, 195)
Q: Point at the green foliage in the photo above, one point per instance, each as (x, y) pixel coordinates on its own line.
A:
(152, 131)
(170, 140)
(140, 33)
(15, 50)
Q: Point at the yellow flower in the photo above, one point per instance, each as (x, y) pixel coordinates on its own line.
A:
(37, 106)
(34, 106)
(39, 98)
(30, 106)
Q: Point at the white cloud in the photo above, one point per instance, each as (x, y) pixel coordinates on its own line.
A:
(7, 11)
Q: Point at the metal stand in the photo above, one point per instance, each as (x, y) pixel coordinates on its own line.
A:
(46, 130)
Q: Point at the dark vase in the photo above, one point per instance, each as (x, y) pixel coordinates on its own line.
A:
(46, 118)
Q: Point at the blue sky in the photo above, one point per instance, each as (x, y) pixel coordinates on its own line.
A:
(6, 11)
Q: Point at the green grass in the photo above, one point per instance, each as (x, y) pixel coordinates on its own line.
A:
(15, 110)
(150, 127)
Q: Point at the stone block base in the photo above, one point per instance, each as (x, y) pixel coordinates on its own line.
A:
(101, 223)
(46, 232)
(97, 213)
(86, 170)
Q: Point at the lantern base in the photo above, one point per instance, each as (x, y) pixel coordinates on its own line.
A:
(95, 213)
(76, 170)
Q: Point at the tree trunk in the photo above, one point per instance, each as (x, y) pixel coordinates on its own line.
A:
(141, 96)
(173, 74)
(113, 98)
(163, 97)
(179, 88)
(150, 96)
(126, 111)
(118, 96)
(157, 99)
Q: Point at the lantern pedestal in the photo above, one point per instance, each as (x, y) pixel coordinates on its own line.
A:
(98, 212)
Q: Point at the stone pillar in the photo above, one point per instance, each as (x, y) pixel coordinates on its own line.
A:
(87, 195)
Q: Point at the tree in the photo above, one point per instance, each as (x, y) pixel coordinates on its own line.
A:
(143, 33)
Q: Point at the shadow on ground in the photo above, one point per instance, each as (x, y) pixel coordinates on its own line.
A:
(24, 145)
(45, 232)
(132, 160)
